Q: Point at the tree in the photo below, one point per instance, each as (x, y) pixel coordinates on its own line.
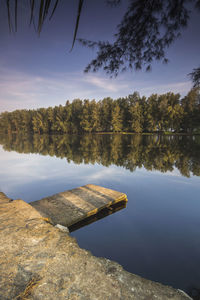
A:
(157, 113)
(105, 114)
(147, 29)
(124, 105)
(191, 106)
(76, 112)
(38, 121)
(86, 117)
(174, 112)
(116, 120)
(195, 77)
(152, 113)
(136, 122)
(94, 116)
(61, 123)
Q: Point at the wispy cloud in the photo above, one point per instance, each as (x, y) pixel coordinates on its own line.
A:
(177, 87)
(111, 172)
(23, 90)
(106, 84)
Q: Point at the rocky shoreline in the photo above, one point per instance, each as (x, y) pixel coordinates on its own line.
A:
(40, 261)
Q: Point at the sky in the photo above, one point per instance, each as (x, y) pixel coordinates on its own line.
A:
(41, 71)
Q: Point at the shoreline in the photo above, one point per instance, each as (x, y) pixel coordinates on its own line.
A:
(42, 261)
(105, 133)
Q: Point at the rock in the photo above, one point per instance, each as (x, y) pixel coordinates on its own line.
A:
(188, 297)
(38, 261)
(62, 228)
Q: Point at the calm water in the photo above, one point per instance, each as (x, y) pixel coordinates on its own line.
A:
(157, 235)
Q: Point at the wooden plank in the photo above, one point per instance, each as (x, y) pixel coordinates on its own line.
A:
(72, 206)
(106, 211)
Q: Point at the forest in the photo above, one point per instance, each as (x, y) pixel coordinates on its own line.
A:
(153, 152)
(157, 113)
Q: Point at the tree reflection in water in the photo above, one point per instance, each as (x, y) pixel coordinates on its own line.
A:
(157, 152)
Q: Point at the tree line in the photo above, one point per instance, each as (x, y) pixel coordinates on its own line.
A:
(157, 113)
(153, 152)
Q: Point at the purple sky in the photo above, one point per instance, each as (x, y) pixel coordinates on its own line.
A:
(40, 72)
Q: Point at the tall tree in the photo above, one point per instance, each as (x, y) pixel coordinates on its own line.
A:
(76, 113)
(94, 116)
(157, 113)
(152, 113)
(85, 123)
(174, 112)
(37, 122)
(136, 122)
(191, 106)
(116, 119)
(105, 114)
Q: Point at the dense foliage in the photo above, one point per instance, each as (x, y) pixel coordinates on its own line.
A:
(153, 152)
(157, 113)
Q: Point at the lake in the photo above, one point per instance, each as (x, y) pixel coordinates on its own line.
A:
(157, 235)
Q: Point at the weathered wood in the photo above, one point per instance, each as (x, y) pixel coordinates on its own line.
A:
(107, 211)
(72, 206)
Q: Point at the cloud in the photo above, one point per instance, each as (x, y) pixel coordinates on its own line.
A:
(107, 84)
(23, 90)
(103, 173)
(19, 90)
(177, 87)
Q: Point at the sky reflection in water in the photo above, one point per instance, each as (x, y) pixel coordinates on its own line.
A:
(156, 236)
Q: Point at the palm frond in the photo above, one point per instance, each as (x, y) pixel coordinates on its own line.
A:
(46, 9)
(32, 3)
(77, 22)
(54, 8)
(40, 19)
(15, 15)
(9, 17)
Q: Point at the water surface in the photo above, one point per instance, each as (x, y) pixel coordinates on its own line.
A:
(157, 235)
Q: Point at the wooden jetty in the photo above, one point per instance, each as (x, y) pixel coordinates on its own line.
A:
(73, 206)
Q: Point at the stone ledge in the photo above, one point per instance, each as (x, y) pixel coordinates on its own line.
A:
(39, 261)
